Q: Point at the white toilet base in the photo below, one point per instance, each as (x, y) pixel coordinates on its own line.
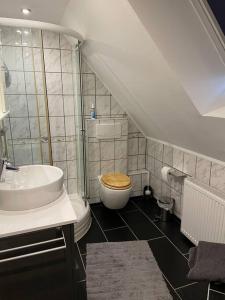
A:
(113, 199)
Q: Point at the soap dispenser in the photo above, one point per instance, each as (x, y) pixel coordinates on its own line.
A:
(93, 114)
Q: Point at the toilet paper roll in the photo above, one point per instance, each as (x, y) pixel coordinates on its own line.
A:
(165, 171)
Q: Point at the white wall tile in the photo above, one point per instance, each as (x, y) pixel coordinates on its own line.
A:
(141, 162)
(93, 169)
(93, 151)
(20, 128)
(103, 105)
(52, 60)
(158, 151)
(70, 125)
(50, 39)
(88, 84)
(178, 158)
(64, 42)
(120, 149)
(136, 182)
(55, 105)
(217, 180)
(66, 61)
(67, 81)
(168, 155)
(57, 126)
(107, 150)
(13, 58)
(100, 88)
(23, 154)
(71, 150)
(116, 109)
(132, 146)
(107, 166)
(69, 105)
(17, 85)
(141, 145)
(132, 163)
(59, 151)
(189, 166)
(17, 105)
(54, 83)
(121, 165)
(203, 170)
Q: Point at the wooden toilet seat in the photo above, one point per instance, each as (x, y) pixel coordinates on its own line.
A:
(116, 181)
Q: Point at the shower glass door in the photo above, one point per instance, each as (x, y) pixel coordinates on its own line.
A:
(26, 128)
(80, 124)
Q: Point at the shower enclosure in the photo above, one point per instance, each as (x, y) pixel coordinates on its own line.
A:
(41, 69)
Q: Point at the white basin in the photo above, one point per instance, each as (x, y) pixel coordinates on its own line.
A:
(30, 187)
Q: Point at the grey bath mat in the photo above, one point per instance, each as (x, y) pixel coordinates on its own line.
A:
(124, 271)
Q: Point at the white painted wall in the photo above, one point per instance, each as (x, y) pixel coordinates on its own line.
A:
(152, 87)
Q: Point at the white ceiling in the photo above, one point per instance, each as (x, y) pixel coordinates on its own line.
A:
(42, 10)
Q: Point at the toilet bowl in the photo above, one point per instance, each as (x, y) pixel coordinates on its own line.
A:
(115, 190)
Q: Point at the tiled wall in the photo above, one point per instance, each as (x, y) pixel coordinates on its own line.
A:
(199, 167)
(117, 155)
(21, 50)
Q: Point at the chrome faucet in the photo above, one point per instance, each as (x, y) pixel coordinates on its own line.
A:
(6, 165)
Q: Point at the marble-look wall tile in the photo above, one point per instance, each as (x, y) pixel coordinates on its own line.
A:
(132, 163)
(17, 86)
(133, 146)
(55, 105)
(178, 158)
(69, 105)
(67, 81)
(72, 169)
(107, 166)
(64, 42)
(36, 105)
(93, 169)
(203, 170)
(217, 180)
(121, 165)
(17, 105)
(54, 83)
(13, 58)
(88, 84)
(168, 155)
(93, 151)
(72, 186)
(103, 105)
(11, 36)
(158, 151)
(32, 59)
(141, 146)
(189, 166)
(136, 182)
(59, 151)
(100, 88)
(66, 61)
(23, 154)
(141, 162)
(57, 126)
(20, 128)
(120, 149)
(52, 60)
(71, 150)
(116, 109)
(50, 39)
(107, 150)
(94, 188)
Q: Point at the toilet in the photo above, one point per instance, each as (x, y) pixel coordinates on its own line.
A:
(115, 189)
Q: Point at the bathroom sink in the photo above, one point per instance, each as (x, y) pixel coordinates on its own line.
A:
(31, 187)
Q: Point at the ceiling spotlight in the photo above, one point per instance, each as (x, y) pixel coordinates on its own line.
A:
(26, 11)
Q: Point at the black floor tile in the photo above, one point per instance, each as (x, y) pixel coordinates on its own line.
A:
(173, 293)
(196, 291)
(141, 226)
(172, 230)
(220, 287)
(173, 265)
(81, 293)
(119, 235)
(148, 205)
(107, 218)
(129, 207)
(79, 268)
(94, 235)
(216, 296)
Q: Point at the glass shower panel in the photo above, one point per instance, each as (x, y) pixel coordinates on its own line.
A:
(79, 123)
(27, 128)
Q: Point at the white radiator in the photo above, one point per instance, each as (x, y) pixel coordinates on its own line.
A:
(203, 217)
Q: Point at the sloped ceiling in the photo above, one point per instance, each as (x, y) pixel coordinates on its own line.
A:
(159, 62)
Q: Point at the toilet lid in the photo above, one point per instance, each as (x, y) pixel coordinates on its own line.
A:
(116, 180)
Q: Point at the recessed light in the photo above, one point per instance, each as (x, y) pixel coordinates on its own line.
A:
(26, 11)
(19, 31)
